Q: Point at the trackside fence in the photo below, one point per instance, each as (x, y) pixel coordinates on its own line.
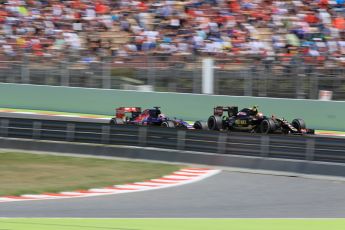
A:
(310, 148)
(240, 75)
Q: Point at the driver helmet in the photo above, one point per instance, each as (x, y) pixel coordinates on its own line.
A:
(161, 116)
(255, 109)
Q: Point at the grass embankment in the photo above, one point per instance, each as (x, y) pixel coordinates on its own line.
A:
(172, 224)
(26, 173)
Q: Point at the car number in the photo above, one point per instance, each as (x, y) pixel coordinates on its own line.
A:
(241, 122)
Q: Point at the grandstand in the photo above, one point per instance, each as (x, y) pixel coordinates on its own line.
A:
(296, 47)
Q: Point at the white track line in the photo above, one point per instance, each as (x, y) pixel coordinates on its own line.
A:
(166, 181)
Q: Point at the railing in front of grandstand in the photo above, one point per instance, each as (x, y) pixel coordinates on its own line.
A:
(248, 76)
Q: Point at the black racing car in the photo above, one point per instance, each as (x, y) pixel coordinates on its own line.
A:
(250, 120)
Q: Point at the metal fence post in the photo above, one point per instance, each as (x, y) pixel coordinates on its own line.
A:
(36, 129)
(222, 139)
(263, 77)
(299, 84)
(196, 77)
(106, 72)
(316, 86)
(65, 78)
(4, 127)
(310, 149)
(70, 132)
(142, 139)
(105, 134)
(181, 139)
(248, 82)
(265, 146)
(217, 79)
(311, 87)
(24, 71)
(151, 74)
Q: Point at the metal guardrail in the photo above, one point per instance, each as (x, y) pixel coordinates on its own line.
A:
(311, 148)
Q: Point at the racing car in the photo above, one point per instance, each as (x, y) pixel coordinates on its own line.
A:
(150, 117)
(250, 120)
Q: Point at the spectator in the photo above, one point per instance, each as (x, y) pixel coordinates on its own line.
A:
(207, 27)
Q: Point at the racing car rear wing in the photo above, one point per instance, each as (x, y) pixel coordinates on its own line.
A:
(219, 110)
(119, 112)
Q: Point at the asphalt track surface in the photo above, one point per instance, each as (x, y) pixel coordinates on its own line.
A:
(61, 117)
(228, 194)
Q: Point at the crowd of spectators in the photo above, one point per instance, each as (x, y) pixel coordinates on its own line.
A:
(314, 29)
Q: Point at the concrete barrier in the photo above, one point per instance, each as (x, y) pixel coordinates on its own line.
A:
(317, 114)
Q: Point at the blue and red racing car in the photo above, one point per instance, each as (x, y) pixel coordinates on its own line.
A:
(148, 117)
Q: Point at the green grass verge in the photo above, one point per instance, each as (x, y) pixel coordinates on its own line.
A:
(25, 173)
(171, 224)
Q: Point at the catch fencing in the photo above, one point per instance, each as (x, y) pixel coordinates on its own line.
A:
(298, 77)
(310, 148)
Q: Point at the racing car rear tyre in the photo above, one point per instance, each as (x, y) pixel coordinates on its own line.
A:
(298, 124)
(215, 123)
(200, 125)
(267, 126)
(168, 124)
(116, 121)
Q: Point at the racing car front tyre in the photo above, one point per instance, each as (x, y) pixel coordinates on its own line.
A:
(298, 124)
(168, 124)
(116, 121)
(200, 125)
(215, 123)
(267, 126)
